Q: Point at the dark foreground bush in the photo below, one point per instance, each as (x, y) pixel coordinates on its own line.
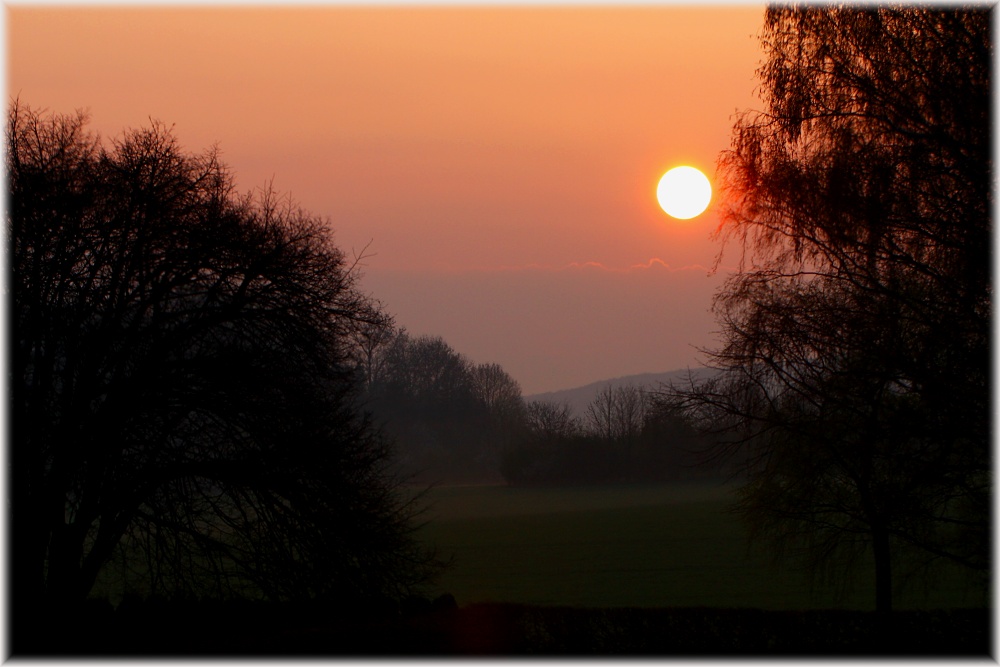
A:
(439, 628)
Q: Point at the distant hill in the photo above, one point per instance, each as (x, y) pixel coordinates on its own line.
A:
(580, 397)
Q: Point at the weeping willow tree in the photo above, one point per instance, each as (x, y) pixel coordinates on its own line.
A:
(853, 383)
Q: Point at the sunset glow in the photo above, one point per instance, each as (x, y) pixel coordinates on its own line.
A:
(684, 192)
(451, 142)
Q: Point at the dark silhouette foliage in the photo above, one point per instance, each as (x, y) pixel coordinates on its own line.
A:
(854, 370)
(617, 413)
(627, 437)
(438, 630)
(448, 416)
(183, 393)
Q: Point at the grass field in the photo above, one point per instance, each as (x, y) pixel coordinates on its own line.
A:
(643, 546)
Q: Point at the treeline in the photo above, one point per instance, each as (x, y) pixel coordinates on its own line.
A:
(453, 420)
(626, 435)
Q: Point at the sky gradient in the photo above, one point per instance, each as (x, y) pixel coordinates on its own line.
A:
(499, 164)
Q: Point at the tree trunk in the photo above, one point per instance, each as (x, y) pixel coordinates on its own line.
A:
(883, 569)
(62, 582)
(26, 580)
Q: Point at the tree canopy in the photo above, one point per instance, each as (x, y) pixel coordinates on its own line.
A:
(449, 417)
(183, 377)
(854, 383)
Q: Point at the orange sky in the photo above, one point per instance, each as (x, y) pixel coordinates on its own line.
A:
(502, 161)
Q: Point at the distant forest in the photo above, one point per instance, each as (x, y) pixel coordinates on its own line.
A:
(455, 421)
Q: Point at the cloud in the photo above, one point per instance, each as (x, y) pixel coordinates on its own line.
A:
(653, 263)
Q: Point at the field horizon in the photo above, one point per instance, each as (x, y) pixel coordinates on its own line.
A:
(649, 545)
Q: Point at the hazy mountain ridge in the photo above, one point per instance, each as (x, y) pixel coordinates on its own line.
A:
(578, 398)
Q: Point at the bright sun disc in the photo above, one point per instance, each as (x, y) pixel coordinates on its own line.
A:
(684, 192)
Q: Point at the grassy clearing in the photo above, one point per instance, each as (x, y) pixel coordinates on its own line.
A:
(635, 546)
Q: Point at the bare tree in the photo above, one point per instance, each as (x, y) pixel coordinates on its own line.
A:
(854, 377)
(371, 334)
(550, 421)
(618, 413)
(501, 394)
(497, 390)
(427, 396)
(181, 382)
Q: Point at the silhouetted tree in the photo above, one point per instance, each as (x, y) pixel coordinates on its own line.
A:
(854, 377)
(426, 395)
(547, 420)
(501, 395)
(671, 447)
(498, 391)
(370, 335)
(182, 382)
(617, 414)
(555, 448)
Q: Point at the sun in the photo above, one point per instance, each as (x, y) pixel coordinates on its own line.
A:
(684, 192)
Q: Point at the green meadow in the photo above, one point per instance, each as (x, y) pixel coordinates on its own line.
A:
(635, 546)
